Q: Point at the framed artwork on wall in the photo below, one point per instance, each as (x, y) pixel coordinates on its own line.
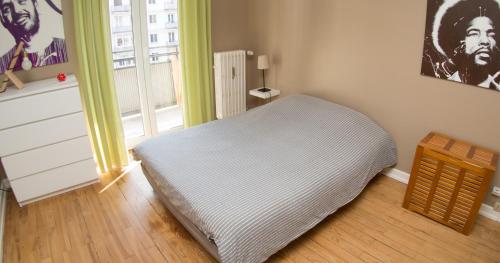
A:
(38, 24)
(461, 42)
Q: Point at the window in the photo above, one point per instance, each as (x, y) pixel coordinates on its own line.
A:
(140, 49)
(171, 37)
(122, 40)
(153, 38)
(170, 18)
(126, 42)
(118, 21)
(152, 19)
(155, 58)
(124, 62)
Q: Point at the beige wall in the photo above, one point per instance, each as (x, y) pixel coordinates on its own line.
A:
(367, 55)
(230, 23)
(231, 31)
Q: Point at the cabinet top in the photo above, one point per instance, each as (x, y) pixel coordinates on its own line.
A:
(37, 87)
(465, 151)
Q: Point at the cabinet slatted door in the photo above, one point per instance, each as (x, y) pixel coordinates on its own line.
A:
(449, 180)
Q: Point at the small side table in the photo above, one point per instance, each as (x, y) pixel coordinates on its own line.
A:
(449, 180)
(264, 95)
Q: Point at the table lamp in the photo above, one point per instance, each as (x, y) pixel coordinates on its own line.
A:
(263, 64)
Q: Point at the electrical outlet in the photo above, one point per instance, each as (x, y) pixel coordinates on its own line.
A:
(496, 191)
(497, 206)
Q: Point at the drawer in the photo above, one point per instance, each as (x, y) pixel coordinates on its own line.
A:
(42, 133)
(46, 158)
(52, 181)
(39, 107)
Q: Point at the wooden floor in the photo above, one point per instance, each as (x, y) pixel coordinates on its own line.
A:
(127, 223)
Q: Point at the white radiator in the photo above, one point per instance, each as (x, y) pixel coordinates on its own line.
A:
(230, 83)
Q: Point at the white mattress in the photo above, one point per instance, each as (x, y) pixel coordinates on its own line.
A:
(255, 182)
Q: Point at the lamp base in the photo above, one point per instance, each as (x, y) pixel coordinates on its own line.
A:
(264, 90)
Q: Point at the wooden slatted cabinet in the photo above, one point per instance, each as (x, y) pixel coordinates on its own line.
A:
(449, 180)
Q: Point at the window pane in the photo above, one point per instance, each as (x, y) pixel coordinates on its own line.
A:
(125, 72)
(164, 64)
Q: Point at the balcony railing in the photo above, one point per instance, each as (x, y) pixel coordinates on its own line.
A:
(171, 25)
(120, 8)
(121, 29)
(170, 6)
(165, 85)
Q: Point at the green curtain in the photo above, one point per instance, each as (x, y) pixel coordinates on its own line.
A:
(196, 59)
(95, 76)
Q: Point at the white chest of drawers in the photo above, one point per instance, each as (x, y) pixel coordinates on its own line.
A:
(44, 146)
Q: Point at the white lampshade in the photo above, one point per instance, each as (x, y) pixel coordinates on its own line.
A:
(263, 62)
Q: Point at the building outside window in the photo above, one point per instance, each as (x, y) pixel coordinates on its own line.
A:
(152, 19)
(124, 63)
(155, 58)
(170, 19)
(161, 61)
(121, 41)
(125, 42)
(153, 38)
(171, 37)
(162, 14)
(118, 21)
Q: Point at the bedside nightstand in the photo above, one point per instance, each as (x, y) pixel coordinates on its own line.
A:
(264, 95)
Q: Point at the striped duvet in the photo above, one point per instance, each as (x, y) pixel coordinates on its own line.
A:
(255, 182)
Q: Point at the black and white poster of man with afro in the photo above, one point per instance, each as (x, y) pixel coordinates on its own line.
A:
(461, 42)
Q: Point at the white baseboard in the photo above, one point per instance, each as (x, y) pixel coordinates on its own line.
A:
(3, 205)
(489, 212)
(397, 175)
(403, 177)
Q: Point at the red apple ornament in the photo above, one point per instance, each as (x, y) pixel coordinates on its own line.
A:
(61, 77)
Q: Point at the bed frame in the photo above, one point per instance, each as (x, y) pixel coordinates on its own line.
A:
(209, 245)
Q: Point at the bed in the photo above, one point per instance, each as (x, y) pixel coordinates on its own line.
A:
(246, 186)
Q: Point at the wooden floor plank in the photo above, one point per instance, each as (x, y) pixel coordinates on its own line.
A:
(128, 223)
(482, 244)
